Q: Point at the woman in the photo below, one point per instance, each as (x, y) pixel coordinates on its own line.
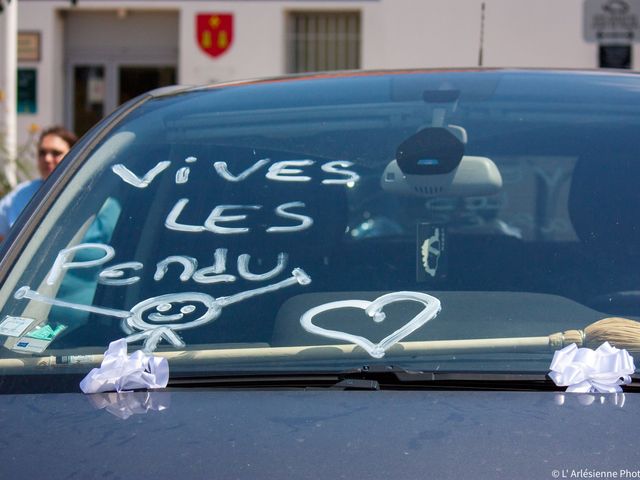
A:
(53, 145)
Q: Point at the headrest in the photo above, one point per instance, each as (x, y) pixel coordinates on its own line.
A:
(604, 202)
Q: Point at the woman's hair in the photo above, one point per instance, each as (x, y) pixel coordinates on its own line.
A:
(59, 131)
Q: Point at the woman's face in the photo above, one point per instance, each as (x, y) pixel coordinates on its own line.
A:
(51, 151)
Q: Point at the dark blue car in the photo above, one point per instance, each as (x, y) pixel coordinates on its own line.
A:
(351, 275)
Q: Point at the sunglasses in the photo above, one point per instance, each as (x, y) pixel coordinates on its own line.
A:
(43, 152)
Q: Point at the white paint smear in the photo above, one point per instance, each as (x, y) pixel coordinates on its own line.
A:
(374, 310)
(282, 171)
(330, 167)
(223, 170)
(281, 211)
(149, 319)
(243, 268)
(132, 179)
(64, 260)
(113, 275)
(218, 216)
(182, 175)
(172, 219)
(189, 265)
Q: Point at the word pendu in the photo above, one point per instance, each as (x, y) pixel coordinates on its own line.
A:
(123, 274)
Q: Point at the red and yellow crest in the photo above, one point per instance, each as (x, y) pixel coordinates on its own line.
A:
(214, 32)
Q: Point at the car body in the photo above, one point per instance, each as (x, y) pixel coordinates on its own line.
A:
(354, 274)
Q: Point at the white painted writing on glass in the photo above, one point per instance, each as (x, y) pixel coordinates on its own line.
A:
(182, 175)
(218, 216)
(331, 167)
(282, 171)
(189, 265)
(215, 273)
(159, 325)
(64, 261)
(291, 171)
(243, 268)
(374, 310)
(281, 211)
(113, 275)
(132, 179)
(222, 170)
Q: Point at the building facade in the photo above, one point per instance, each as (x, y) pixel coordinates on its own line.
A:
(78, 60)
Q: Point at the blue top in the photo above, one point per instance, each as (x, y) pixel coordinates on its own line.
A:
(14, 202)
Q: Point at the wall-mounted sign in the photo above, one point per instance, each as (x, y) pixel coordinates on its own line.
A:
(214, 32)
(27, 90)
(28, 46)
(95, 88)
(612, 21)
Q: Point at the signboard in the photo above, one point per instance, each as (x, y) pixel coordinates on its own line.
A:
(28, 46)
(612, 21)
(214, 32)
(27, 90)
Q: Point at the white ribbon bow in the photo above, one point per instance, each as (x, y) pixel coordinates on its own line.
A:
(125, 404)
(119, 372)
(589, 371)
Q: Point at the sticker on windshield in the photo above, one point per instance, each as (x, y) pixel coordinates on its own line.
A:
(31, 345)
(374, 309)
(15, 326)
(45, 332)
(432, 259)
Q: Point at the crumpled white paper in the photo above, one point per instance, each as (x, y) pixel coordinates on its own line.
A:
(119, 372)
(584, 370)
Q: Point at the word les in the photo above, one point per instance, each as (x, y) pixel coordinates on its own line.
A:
(218, 219)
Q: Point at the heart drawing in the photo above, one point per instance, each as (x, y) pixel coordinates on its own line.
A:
(374, 310)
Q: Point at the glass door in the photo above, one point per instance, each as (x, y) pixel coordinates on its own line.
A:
(98, 89)
(135, 80)
(89, 96)
(113, 55)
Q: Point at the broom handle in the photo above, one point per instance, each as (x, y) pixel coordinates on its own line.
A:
(317, 352)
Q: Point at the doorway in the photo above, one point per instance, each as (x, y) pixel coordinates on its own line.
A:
(114, 56)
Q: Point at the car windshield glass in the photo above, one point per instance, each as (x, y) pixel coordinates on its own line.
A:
(249, 226)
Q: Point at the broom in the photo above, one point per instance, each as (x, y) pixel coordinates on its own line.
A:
(619, 332)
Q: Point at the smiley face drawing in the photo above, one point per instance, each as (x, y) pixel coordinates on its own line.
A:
(165, 303)
(151, 320)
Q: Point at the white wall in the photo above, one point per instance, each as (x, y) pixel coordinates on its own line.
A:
(545, 33)
(257, 48)
(395, 34)
(418, 33)
(49, 68)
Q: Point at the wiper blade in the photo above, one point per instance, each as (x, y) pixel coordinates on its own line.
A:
(370, 377)
(250, 380)
(391, 377)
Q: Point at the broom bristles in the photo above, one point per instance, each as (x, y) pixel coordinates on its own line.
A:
(619, 332)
